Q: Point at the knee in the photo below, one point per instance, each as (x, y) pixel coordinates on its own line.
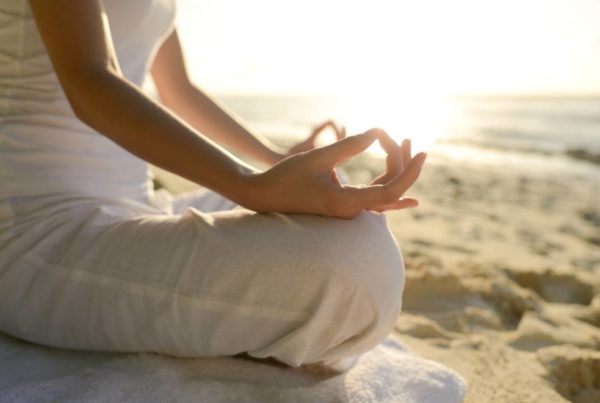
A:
(367, 276)
(353, 276)
(377, 267)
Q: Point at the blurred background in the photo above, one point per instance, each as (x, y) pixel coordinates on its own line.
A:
(503, 255)
(487, 79)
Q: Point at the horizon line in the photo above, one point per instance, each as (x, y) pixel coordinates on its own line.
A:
(482, 95)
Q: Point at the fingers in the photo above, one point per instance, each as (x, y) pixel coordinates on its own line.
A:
(335, 178)
(393, 162)
(396, 161)
(387, 142)
(398, 205)
(341, 132)
(312, 138)
(333, 154)
(375, 196)
(340, 151)
(403, 182)
(406, 152)
(313, 135)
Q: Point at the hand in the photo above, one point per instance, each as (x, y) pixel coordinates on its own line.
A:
(307, 183)
(309, 143)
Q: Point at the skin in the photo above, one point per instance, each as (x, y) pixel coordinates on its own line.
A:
(181, 134)
(202, 112)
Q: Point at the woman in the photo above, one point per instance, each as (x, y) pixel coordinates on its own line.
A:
(91, 258)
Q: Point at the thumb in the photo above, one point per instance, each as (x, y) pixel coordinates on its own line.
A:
(335, 153)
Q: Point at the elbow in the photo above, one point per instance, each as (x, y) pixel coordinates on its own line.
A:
(78, 106)
(86, 92)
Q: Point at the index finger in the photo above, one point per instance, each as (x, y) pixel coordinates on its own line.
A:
(341, 133)
(335, 153)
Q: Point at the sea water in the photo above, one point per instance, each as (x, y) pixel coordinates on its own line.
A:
(532, 133)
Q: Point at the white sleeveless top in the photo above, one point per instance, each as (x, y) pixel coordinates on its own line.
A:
(44, 148)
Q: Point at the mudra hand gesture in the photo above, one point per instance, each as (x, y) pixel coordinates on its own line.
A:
(306, 182)
(310, 142)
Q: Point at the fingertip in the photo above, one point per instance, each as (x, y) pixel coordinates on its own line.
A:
(373, 132)
(407, 148)
(406, 203)
(388, 143)
(345, 148)
(411, 202)
(416, 162)
(366, 135)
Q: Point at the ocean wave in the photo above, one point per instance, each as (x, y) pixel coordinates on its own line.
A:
(507, 146)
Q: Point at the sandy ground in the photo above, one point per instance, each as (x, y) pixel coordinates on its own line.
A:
(503, 279)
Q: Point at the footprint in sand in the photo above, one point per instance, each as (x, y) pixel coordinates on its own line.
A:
(464, 304)
(591, 216)
(555, 286)
(550, 328)
(590, 314)
(573, 372)
(421, 327)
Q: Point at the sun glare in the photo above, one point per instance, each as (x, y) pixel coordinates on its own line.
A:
(419, 118)
(394, 64)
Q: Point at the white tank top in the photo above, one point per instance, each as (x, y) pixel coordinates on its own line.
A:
(44, 148)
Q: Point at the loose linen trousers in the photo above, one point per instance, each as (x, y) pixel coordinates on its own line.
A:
(179, 277)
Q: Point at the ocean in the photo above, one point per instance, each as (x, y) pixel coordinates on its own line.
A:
(547, 135)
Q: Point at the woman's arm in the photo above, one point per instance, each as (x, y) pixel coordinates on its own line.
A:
(181, 96)
(78, 41)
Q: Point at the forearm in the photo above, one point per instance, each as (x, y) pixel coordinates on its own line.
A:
(79, 43)
(221, 125)
(117, 109)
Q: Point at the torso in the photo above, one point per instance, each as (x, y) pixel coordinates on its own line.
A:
(44, 147)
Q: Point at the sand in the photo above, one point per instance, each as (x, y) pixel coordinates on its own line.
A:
(503, 278)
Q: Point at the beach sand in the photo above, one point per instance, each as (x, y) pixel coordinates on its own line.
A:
(502, 279)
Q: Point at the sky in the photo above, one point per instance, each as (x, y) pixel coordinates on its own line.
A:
(369, 48)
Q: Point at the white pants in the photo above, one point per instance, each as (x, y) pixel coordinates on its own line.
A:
(85, 273)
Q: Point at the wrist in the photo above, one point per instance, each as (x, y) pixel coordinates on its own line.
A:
(252, 191)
